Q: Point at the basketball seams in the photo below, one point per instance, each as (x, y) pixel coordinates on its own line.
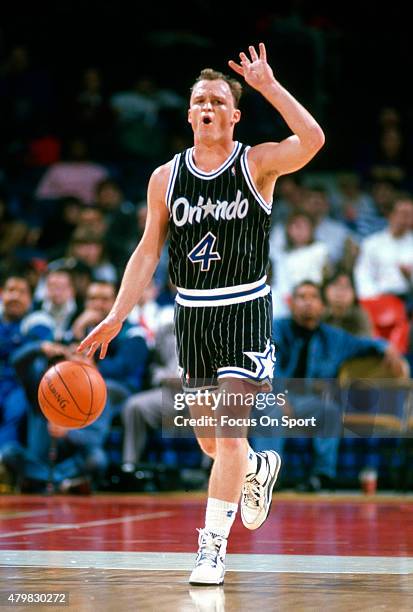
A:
(67, 388)
(77, 390)
(67, 416)
(91, 391)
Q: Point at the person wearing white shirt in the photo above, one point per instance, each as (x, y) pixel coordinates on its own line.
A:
(302, 258)
(385, 262)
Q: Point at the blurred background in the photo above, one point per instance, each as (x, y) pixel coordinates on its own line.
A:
(94, 96)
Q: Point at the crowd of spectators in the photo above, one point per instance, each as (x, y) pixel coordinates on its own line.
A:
(72, 208)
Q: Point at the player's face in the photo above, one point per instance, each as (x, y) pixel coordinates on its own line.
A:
(212, 111)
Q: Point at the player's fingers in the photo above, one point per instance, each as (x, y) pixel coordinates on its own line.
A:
(86, 343)
(263, 52)
(103, 350)
(94, 347)
(238, 69)
(253, 53)
(244, 59)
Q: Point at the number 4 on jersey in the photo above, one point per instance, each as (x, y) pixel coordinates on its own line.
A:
(202, 252)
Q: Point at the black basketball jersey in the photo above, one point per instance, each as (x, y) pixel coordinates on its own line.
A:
(219, 225)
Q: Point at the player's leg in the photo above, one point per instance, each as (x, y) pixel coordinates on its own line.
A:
(226, 479)
(195, 362)
(251, 356)
(233, 460)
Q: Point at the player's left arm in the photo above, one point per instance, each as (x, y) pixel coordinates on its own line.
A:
(292, 153)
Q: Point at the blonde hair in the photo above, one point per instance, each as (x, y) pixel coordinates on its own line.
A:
(209, 74)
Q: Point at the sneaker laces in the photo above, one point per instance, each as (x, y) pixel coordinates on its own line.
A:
(209, 546)
(252, 493)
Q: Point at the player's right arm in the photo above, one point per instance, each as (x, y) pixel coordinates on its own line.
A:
(140, 267)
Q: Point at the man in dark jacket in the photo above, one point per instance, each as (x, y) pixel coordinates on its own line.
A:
(18, 327)
(309, 349)
(80, 454)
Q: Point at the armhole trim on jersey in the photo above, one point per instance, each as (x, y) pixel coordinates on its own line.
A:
(171, 180)
(267, 206)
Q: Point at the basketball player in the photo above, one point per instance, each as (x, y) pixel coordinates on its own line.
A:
(215, 200)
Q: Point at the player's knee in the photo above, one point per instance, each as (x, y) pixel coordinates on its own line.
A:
(208, 446)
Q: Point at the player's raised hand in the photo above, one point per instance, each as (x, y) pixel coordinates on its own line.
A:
(255, 69)
(100, 336)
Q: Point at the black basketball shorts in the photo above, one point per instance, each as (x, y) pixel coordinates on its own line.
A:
(232, 341)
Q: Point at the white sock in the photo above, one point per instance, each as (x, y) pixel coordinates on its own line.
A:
(252, 461)
(219, 516)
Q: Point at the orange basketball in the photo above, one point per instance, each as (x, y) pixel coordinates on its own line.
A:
(72, 394)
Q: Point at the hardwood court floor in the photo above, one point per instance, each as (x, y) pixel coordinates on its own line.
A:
(134, 552)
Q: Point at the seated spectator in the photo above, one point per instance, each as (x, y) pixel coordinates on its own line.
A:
(385, 262)
(342, 309)
(12, 231)
(80, 452)
(302, 258)
(18, 327)
(389, 161)
(146, 409)
(76, 176)
(88, 247)
(334, 234)
(307, 348)
(93, 218)
(125, 364)
(59, 302)
(125, 229)
(147, 311)
(68, 460)
(81, 274)
(290, 195)
(58, 228)
(354, 207)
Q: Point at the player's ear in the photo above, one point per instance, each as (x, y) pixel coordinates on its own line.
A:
(236, 116)
(189, 116)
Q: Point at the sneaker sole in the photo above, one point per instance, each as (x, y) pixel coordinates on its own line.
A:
(253, 527)
(211, 584)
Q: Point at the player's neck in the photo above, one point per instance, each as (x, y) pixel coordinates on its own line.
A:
(209, 156)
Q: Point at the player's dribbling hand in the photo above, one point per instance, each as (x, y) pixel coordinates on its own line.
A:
(101, 335)
(256, 71)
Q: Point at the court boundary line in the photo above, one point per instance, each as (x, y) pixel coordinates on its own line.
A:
(77, 526)
(254, 563)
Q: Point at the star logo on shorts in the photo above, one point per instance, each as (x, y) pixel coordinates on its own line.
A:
(264, 361)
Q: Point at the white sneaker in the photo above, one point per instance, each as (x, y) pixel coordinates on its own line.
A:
(256, 495)
(210, 560)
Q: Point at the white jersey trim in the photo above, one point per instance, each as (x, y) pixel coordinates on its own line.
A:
(236, 372)
(219, 291)
(267, 206)
(223, 301)
(208, 176)
(172, 179)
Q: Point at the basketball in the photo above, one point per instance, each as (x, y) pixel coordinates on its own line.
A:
(72, 394)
